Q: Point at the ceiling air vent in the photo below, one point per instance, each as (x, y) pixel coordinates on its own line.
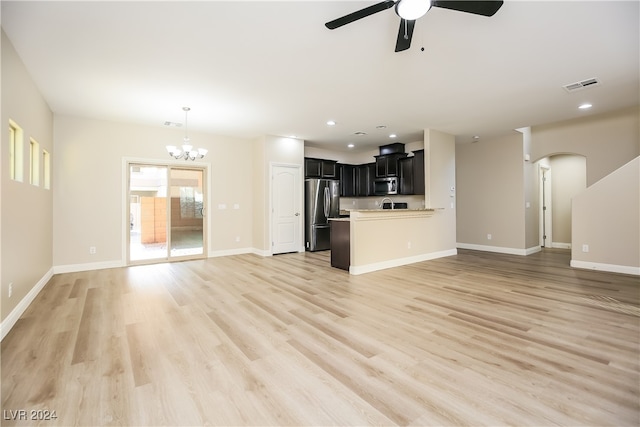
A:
(572, 87)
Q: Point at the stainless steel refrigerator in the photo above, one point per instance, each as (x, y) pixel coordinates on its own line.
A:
(322, 201)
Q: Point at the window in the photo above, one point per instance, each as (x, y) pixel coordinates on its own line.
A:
(15, 152)
(46, 172)
(34, 162)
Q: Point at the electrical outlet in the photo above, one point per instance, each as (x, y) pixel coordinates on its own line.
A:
(585, 248)
(10, 289)
(92, 250)
(237, 238)
(489, 236)
(409, 245)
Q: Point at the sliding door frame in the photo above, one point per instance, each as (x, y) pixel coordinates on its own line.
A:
(126, 208)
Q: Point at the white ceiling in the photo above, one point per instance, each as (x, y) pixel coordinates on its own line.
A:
(254, 68)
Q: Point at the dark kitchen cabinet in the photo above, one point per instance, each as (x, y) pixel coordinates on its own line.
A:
(406, 175)
(418, 172)
(387, 165)
(412, 173)
(340, 244)
(371, 187)
(366, 174)
(348, 179)
(320, 168)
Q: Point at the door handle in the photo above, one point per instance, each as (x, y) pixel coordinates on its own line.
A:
(297, 214)
(327, 201)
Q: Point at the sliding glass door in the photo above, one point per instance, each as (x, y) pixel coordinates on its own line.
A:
(187, 212)
(166, 213)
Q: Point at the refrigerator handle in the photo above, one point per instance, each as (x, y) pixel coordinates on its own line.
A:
(327, 202)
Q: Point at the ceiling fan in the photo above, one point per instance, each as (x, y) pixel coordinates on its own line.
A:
(410, 10)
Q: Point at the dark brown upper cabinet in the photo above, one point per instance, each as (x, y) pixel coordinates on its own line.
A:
(320, 168)
(411, 171)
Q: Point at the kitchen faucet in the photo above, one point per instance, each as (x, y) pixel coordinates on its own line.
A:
(382, 202)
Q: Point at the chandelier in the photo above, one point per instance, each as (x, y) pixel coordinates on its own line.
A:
(187, 152)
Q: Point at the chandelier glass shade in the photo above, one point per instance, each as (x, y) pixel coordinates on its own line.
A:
(187, 151)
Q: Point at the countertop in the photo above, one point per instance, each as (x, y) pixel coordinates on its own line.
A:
(371, 214)
(393, 210)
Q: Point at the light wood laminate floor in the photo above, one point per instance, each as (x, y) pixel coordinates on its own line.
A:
(472, 339)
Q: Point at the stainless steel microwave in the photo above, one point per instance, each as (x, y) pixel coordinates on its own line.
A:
(384, 186)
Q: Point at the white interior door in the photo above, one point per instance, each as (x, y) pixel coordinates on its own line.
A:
(286, 203)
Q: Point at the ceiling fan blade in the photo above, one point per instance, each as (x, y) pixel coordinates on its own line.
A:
(404, 34)
(359, 14)
(485, 8)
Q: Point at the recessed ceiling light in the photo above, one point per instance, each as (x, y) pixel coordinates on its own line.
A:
(350, 145)
(585, 106)
(393, 135)
(331, 123)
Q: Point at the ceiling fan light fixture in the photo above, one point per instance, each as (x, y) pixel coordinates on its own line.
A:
(412, 9)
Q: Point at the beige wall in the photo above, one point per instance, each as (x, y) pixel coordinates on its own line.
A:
(531, 194)
(569, 178)
(89, 191)
(608, 141)
(26, 210)
(491, 193)
(387, 241)
(495, 185)
(268, 151)
(440, 177)
(260, 190)
(606, 218)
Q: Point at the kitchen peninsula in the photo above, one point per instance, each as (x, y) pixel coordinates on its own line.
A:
(375, 239)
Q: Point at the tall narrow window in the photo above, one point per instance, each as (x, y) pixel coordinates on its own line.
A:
(46, 169)
(15, 152)
(34, 161)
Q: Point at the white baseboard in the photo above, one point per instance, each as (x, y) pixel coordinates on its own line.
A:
(612, 268)
(228, 252)
(532, 250)
(74, 268)
(19, 309)
(367, 268)
(499, 249)
(560, 245)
